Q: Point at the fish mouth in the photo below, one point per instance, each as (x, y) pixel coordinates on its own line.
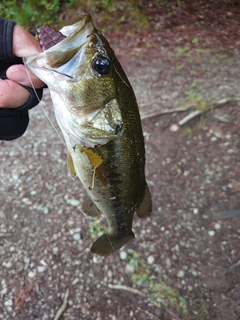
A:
(65, 57)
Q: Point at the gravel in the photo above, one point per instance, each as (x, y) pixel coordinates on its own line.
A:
(181, 252)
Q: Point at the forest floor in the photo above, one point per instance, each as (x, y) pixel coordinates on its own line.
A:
(184, 263)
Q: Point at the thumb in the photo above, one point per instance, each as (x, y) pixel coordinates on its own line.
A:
(18, 73)
(24, 44)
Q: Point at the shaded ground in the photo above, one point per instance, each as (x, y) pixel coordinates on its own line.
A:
(179, 260)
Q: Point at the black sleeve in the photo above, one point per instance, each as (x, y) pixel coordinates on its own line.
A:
(13, 122)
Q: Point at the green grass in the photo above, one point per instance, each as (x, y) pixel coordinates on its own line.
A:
(159, 293)
(183, 50)
(96, 228)
(195, 41)
(179, 67)
(195, 98)
(111, 13)
(30, 12)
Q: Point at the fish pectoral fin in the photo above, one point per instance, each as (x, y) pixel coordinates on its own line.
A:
(70, 165)
(89, 207)
(109, 243)
(95, 160)
(145, 208)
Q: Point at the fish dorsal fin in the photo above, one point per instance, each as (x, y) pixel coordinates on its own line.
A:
(145, 208)
(89, 208)
(70, 165)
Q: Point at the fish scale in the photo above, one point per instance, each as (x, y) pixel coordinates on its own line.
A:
(96, 109)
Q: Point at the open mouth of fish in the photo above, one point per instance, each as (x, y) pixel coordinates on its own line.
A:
(66, 68)
(67, 58)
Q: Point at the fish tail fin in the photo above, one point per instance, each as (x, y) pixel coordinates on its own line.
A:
(109, 243)
(145, 208)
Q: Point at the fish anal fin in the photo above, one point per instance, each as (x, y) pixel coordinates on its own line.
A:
(89, 207)
(108, 244)
(145, 208)
(70, 165)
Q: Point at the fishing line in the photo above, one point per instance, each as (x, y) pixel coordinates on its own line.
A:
(45, 112)
(126, 280)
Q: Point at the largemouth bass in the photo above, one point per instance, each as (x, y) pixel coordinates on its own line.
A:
(96, 109)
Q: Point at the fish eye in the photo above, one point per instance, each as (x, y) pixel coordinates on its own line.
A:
(102, 65)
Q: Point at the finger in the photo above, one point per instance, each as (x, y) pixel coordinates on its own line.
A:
(24, 44)
(18, 73)
(12, 95)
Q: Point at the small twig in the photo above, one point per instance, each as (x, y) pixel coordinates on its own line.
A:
(3, 235)
(136, 291)
(221, 118)
(189, 117)
(63, 306)
(195, 113)
(125, 288)
(148, 313)
(191, 106)
(23, 295)
(166, 111)
(233, 266)
(223, 215)
(171, 313)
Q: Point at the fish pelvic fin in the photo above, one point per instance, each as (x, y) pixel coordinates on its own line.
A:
(89, 208)
(109, 243)
(70, 165)
(144, 210)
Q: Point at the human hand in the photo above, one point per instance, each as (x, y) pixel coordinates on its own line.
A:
(12, 94)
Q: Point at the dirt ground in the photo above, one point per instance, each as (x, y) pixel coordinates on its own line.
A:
(184, 263)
